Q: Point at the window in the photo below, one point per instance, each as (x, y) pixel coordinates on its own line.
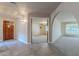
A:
(72, 28)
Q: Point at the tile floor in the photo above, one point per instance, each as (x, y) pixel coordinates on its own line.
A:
(39, 39)
(68, 45)
(15, 48)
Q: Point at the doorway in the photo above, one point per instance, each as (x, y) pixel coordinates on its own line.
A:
(8, 30)
(39, 30)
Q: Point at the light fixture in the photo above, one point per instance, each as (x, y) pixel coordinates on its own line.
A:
(43, 22)
(23, 20)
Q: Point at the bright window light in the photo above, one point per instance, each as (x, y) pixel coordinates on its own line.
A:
(72, 29)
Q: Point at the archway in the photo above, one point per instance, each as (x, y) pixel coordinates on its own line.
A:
(60, 21)
(66, 33)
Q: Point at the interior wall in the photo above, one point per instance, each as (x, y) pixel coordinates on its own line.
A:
(38, 27)
(56, 30)
(70, 7)
(63, 29)
(1, 29)
(21, 30)
(35, 28)
(29, 27)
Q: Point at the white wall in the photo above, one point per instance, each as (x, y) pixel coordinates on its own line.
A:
(59, 22)
(36, 24)
(1, 29)
(56, 30)
(35, 28)
(21, 31)
(68, 7)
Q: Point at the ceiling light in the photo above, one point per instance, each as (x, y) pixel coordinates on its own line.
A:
(23, 20)
(43, 22)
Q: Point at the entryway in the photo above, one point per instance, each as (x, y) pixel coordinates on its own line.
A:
(39, 30)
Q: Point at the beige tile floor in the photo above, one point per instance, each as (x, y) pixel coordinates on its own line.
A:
(15, 48)
(39, 39)
(68, 45)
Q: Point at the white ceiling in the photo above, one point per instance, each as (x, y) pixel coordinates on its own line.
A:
(32, 8)
(39, 19)
(65, 17)
(39, 8)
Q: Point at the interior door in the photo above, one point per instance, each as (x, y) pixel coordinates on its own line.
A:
(8, 30)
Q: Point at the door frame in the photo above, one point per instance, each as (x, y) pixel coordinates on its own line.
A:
(47, 32)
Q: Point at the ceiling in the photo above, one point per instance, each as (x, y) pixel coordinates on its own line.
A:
(39, 19)
(65, 17)
(30, 8)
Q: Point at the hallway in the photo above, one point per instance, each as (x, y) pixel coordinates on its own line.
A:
(39, 39)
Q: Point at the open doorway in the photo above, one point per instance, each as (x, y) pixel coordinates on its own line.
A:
(39, 30)
(8, 30)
